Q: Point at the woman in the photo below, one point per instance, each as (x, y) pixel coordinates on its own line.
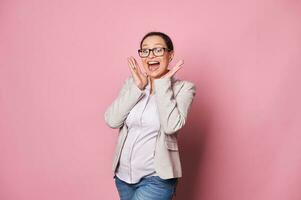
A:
(150, 110)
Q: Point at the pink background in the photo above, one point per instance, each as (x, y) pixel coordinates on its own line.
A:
(62, 62)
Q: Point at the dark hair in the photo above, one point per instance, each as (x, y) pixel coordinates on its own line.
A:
(165, 37)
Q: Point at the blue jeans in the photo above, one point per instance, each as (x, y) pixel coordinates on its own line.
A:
(148, 188)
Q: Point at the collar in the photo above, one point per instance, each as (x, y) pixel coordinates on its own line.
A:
(147, 86)
(173, 79)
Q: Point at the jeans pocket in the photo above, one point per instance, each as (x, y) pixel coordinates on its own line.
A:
(171, 181)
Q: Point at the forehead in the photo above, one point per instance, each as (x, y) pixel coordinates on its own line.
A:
(153, 40)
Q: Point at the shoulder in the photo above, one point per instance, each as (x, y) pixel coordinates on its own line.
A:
(183, 87)
(128, 80)
(175, 82)
(184, 84)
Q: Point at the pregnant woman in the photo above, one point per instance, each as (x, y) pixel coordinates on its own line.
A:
(151, 108)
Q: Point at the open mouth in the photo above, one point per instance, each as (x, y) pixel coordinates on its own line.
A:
(153, 65)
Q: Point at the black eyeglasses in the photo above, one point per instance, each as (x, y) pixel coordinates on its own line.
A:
(157, 51)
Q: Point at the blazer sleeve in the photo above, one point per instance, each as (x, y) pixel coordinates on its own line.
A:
(172, 109)
(119, 109)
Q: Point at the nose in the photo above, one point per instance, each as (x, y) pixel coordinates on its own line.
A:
(151, 54)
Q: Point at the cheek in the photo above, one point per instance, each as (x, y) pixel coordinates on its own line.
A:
(144, 63)
(164, 62)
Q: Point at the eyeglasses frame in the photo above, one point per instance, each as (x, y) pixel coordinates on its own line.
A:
(164, 48)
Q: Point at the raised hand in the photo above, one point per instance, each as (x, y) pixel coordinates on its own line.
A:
(141, 79)
(174, 69)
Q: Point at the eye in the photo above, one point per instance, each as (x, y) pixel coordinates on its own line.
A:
(144, 50)
(159, 49)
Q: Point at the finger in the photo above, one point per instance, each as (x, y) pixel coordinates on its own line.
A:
(174, 69)
(136, 64)
(138, 68)
(131, 64)
(179, 63)
(131, 67)
(134, 73)
(177, 66)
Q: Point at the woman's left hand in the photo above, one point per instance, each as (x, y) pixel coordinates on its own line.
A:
(174, 69)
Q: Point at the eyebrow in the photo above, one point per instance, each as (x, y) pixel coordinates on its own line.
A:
(155, 44)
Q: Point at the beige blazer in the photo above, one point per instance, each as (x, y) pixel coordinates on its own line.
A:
(173, 98)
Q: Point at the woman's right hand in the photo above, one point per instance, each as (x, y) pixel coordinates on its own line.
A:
(141, 79)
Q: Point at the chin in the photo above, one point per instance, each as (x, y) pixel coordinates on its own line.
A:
(155, 74)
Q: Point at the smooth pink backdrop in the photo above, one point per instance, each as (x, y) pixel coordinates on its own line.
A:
(63, 62)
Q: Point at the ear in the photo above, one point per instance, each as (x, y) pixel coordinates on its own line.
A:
(171, 55)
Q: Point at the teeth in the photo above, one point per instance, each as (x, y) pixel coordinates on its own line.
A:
(153, 62)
